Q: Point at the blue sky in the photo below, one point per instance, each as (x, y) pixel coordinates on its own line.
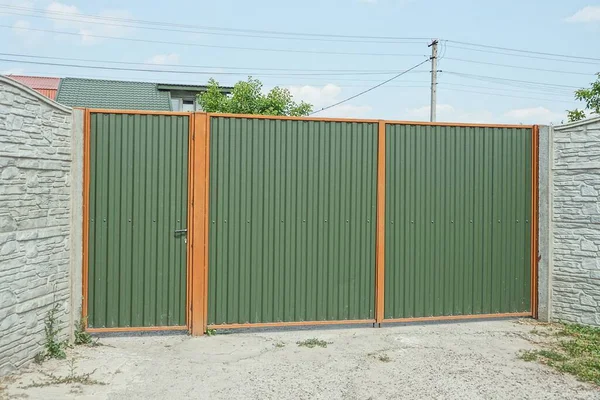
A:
(469, 89)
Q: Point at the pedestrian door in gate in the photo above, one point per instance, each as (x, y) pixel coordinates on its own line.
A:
(137, 172)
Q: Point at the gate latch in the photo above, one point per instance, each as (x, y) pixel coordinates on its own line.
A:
(178, 231)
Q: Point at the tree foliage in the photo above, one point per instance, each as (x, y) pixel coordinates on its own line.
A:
(247, 98)
(591, 97)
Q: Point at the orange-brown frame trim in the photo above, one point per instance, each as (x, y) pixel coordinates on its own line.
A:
(199, 225)
(85, 209)
(534, 219)
(138, 112)
(86, 216)
(459, 317)
(459, 124)
(380, 227)
(290, 323)
(138, 329)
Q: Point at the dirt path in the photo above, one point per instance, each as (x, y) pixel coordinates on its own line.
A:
(440, 361)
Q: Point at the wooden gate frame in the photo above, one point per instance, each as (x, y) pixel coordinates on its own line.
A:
(198, 223)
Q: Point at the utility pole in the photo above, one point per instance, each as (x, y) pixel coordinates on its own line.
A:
(433, 105)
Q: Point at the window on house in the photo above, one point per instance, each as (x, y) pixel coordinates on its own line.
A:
(188, 105)
(185, 105)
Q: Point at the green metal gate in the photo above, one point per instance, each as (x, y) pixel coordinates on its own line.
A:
(138, 199)
(457, 220)
(292, 220)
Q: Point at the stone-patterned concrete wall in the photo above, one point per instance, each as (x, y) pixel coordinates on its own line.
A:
(575, 278)
(35, 220)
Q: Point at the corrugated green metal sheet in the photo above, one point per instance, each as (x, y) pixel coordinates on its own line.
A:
(458, 205)
(138, 197)
(292, 220)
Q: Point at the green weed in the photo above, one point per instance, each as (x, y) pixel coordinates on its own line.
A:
(575, 350)
(310, 343)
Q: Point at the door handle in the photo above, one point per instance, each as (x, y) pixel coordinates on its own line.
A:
(180, 231)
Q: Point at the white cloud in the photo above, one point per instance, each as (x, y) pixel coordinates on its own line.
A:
(66, 16)
(533, 115)
(20, 29)
(448, 113)
(161, 59)
(586, 14)
(324, 96)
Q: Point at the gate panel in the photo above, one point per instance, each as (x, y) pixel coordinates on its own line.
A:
(137, 199)
(458, 220)
(292, 220)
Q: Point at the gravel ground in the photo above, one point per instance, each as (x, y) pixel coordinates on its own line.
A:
(472, 360)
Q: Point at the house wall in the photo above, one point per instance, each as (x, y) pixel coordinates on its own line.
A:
(36, 220)
(575, 223)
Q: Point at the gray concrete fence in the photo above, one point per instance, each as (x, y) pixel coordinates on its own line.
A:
(40, 207)
(575, 223)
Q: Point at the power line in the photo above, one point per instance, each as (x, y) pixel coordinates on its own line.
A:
(523, 55)
(341, 71)
(161, 23)
(267, 81)
(370, 89)
(524, 51)
(520, 67)
(179, 71)
(559, 92)
(508, 95)
(212, 45)
(94, 20)
(483, 77)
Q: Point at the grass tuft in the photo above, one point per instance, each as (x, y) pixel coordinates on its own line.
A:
(310, 343)
(72, 377)
(575, 350)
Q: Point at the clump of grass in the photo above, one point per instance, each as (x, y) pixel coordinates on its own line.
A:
(576, 350)
(81, 336)
(54, 348)
(70, 378)
(384, 358)
(280, 345)
(311, 343)
(211, 332)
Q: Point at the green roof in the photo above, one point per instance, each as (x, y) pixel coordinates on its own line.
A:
(116, 95)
